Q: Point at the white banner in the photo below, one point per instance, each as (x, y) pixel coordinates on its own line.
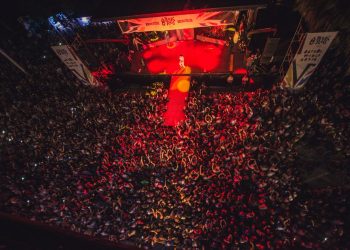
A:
(73, 62)
(307, 59)
(179, 21)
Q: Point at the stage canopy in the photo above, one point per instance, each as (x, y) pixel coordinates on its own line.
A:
(183, 19)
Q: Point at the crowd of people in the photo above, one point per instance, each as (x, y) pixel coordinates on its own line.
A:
(103, 164)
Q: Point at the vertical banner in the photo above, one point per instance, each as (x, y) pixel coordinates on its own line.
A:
(73, 62)
(307, 59)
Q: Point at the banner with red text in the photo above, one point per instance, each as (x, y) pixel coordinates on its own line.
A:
(307, 59)
(174, 22)
(73, 62)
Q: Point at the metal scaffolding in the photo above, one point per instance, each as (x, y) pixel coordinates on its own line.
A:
(297, 40)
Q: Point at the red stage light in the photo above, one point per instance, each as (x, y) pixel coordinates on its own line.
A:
(200, 56)
(147, 54)
(240, 71)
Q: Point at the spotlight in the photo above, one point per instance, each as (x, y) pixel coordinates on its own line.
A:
(84, 21)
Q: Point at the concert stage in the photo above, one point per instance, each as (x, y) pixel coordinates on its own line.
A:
(202, 57)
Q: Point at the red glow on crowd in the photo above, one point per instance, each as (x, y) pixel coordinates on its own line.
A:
(102, 73)
(178, 92)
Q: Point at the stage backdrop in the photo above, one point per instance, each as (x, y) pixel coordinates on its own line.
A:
(174, 22)
(307, 59)
(73, 62)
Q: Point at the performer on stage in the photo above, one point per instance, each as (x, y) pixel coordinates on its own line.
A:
(182, 61)
(181, 83)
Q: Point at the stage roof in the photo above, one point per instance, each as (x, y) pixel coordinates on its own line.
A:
(183, 12)
(109, 8)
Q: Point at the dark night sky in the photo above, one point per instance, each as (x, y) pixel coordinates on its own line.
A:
(284, 17)
(105, 8)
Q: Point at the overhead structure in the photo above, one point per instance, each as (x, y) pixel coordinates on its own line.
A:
(186, 19)
(179, 21)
